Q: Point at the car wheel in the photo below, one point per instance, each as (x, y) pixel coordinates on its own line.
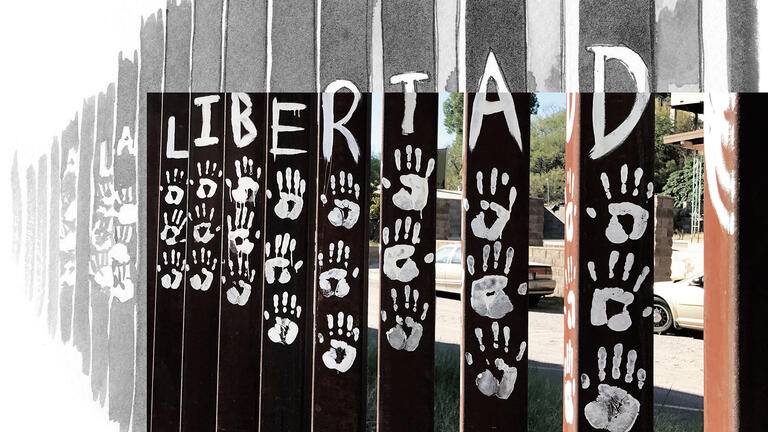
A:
(533, 300)
(662, 316)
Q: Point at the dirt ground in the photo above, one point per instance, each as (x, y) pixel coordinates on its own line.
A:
(678, 357)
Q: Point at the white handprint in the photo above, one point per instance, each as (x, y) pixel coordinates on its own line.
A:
(207, 184)
(204, 231)
(284, 245)
(338, 273)
(414, 193)
(101, 271)
(345, 211)
(502, 213)
(174, 193)
(240, 291)
(395, 253)
(247, 186)
(486, 381)
(198, 282)
(341, 354)
(614, 410)
(124, 288)
(284, 330)
(172, 227)
(615, 232)
(291, 200)
(172, 267)
(239, 232)
(488, 297)
(601, 296)
(407, 331)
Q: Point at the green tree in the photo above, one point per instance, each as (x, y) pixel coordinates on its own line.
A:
(679, 185)
(453, 108)
(547, 174)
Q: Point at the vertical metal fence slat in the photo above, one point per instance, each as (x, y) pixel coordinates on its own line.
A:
(81, 328)
(122, 306)
(42, 235)
(102, 239)
(69, 158)
(53, 239)
(291, 43)
(495, 262)
(609, 263)
(341, 295)
(171, 263)
(407, 297)
(242, 261)
(734, 249)
(408, 37)
(203, 279)
(289, 236)
(31, 230)
(245, 58)
(496, 27)
(206, 46)
(344, 50)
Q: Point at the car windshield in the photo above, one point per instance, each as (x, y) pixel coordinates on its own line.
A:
(444, 254)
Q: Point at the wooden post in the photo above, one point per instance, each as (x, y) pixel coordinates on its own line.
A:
(734, 248)
(495, 252)
(407, 297)
(101, 242)
(242, 261)
(341, 294)
(497, 27)
(286, 355)
(171, 263)
(609, 263)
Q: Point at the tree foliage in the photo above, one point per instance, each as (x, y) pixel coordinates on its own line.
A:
(679, 185)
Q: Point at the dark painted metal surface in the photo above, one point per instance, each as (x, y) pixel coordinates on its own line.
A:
(242, 261)
(68, 174)
(344, 52)
(613, 327)
(735, 379)
(289, 254)
(171, 262)
(495, 251)
(341, 295)
(496, 26)
(81, 328)
(102, 238)
(178, 31)
(203, 278)
(407, 321)
(245, 64)
(623, 23)
(408, 33)
(148, 160)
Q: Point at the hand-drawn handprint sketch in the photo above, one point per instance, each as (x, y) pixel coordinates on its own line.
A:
(494, 356)
(614, 409)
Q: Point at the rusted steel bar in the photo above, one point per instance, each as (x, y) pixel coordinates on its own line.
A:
(598, 32)
(608, 382)
(171, 263)
(53, 239)
(496, 27)
(81, 327)
(287, 331)
(735, 378)
(70, 143)
(341, 294)
(343, 45)
(122, 311)
(102, 239)
(245, 58)
(148, 159)
(495, 232)
(407, 297)
(242, 261)
(203, 278)
(408, 33)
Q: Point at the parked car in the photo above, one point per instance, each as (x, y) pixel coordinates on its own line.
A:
(679, 304)
(449, 274)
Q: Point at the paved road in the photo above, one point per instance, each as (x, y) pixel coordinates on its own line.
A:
(678, 358)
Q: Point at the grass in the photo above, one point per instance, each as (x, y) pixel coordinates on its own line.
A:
(544, 398)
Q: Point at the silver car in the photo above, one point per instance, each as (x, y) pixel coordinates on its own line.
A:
(679, 304)
(449, 274)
